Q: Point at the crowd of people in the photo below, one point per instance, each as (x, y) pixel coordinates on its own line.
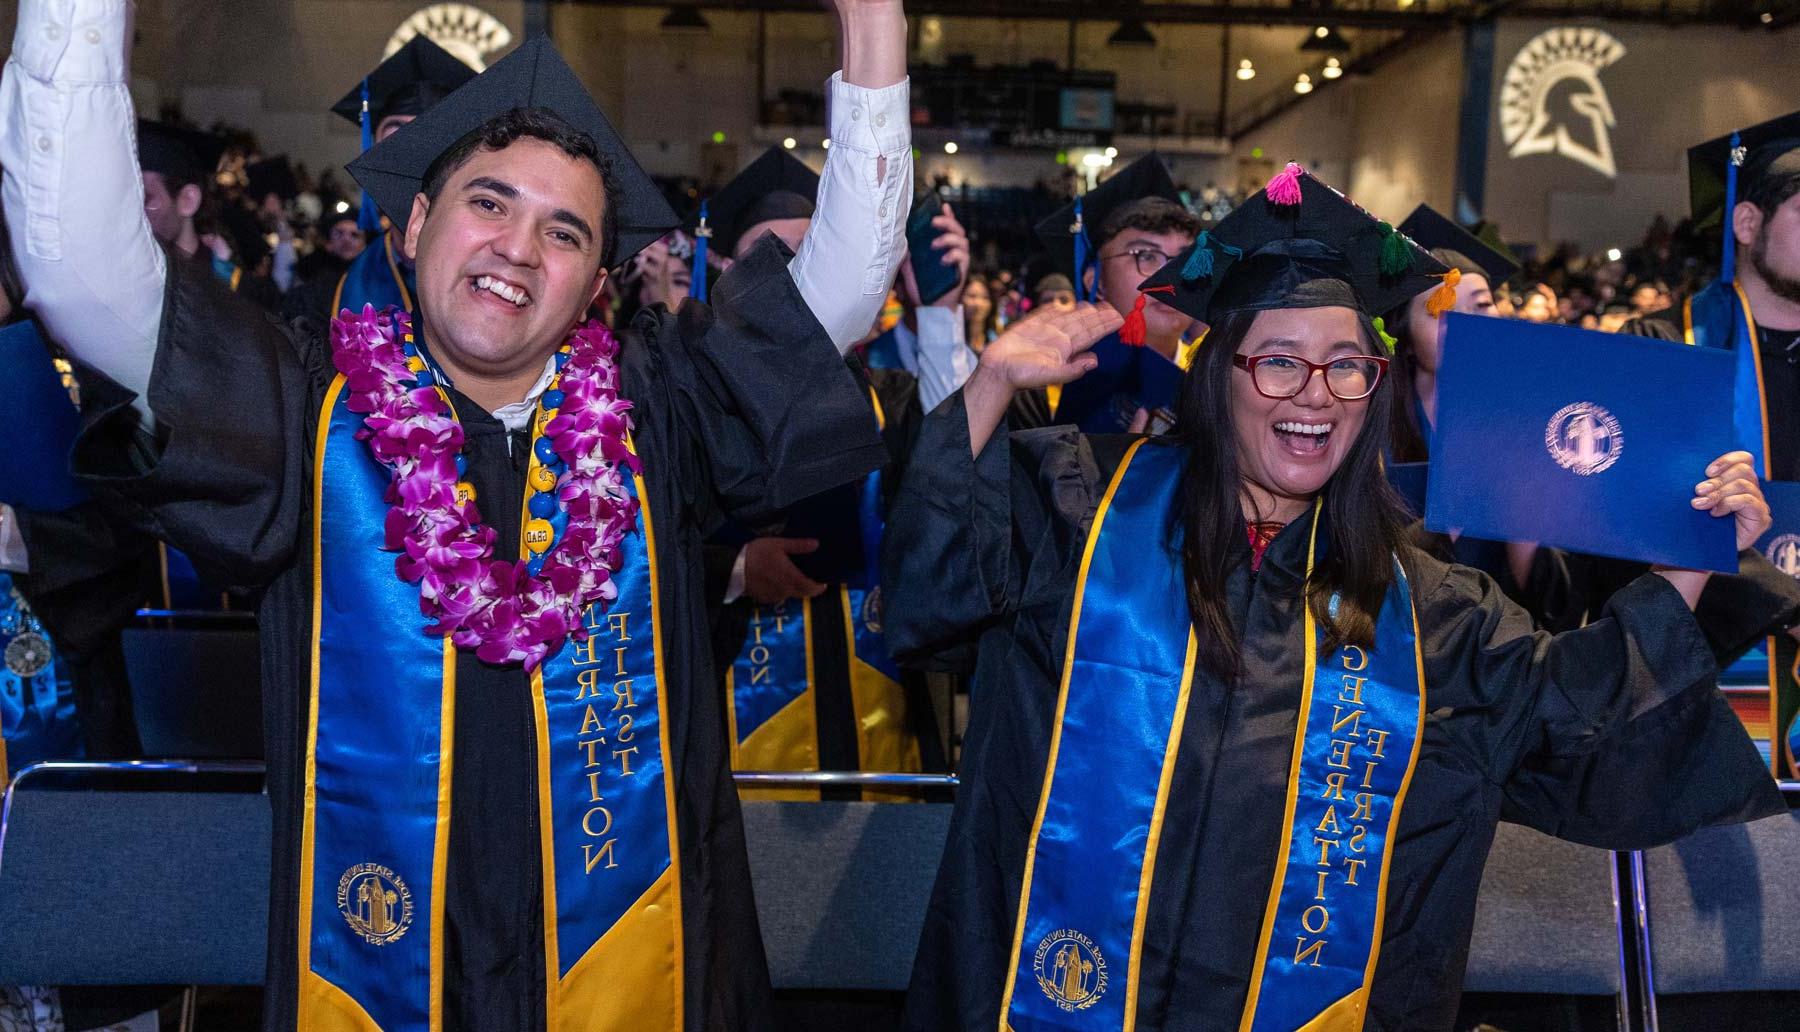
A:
(558, 502)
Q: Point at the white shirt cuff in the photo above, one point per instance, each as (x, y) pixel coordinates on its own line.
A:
(870, 120)
(734, 587)
(74, 41)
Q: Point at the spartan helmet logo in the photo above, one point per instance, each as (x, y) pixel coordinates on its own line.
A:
(469, 33)
(1537, 118)
(1784, 553)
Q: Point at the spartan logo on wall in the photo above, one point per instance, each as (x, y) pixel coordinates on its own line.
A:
(469, 33)
(1551, 101)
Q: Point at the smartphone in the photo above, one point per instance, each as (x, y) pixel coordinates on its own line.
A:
(935, 279)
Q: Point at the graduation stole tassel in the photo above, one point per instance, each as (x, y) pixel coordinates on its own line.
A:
(1136, 330)
(1443, 298)
(1078, 232)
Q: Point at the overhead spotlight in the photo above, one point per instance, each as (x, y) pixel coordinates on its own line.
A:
(1303, 84)
(826, 143)
(1326, 39)
(685, 19)
(950, 148)
(1613, 254)
(343, 206)
(1403, 4)
(1131, 33)
(1767, 18)
(1246, 70)
(790, 143)
(1094, 160)
(1333, 68)
(1112, 152)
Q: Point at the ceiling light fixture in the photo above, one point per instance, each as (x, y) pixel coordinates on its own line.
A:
(1246, 70)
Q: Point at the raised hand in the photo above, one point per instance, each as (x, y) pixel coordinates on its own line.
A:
(1731, 488)
(1050, 346)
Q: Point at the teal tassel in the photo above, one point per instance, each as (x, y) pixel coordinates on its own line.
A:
(1396, 252)
(1200, 260)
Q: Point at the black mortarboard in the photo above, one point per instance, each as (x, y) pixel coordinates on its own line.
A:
(1320, 250)
(272, 176)
(1434, 232)
(774, 186)
(1148, 176)
(409, 82)
(183, 155)
(533, 76)
(1770, 148)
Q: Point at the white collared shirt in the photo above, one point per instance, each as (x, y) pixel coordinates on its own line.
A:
(94, 274)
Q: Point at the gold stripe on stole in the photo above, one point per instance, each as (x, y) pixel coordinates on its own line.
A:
(590, 998)
(884, 739)
(788, 740)
(322, 1006)
(1056, 724)
(337, 297)
(1347, 1013)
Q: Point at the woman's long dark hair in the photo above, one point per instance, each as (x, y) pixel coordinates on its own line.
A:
(1364, 520)
(1407, 440)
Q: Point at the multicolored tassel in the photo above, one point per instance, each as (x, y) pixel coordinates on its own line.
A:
(1387, 339)
(1396, 252)
(1284, 188)
(1444, 297)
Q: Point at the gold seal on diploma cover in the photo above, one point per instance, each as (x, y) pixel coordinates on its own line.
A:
(1584, 438)
(1784, 554)
(375, 902)
(1070, 969)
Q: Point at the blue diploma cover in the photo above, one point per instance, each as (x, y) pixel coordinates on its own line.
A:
(1586, 441)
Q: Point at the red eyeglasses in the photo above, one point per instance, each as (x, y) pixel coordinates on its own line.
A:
(1279, 377)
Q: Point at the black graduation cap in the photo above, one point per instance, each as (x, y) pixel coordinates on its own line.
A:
(183, 155)
(776, 185)
(1148, 176)
(1322, 250)
(410, 81)
(1434, 232)
(533, 76)
(272, 176)
(1770, 148)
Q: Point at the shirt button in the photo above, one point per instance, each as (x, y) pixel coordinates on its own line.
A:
(93, 36)
(856, 114)
(43, 143)
(881, 121)
(52, 32)
(882, 211)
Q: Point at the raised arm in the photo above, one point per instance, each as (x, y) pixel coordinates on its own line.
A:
(846, 262)
(73, 195)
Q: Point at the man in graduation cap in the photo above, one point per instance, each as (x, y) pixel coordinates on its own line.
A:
(398, 90)
(1113, 238)
(808, 680)
(177, 167)
(519, 816)
(1748, 182)
(1236, 751)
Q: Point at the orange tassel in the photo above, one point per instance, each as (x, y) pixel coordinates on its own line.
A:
(1444, 297)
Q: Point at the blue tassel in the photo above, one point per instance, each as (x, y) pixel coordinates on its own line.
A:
(369, 218)
(702, 237)
(1728, 261)
(1200, 260)
(1079, 232)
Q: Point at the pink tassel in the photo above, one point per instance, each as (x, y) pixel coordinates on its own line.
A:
(1284, 189)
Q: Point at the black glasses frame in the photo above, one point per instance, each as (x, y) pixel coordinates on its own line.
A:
(1248, 363)
(1137, 255)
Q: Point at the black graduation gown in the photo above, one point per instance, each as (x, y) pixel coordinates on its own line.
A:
(897, 392)
(739, 408)
(1613, 736)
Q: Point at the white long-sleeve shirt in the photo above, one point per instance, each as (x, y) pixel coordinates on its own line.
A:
(94, 274)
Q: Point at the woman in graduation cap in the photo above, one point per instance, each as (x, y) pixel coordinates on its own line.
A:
(1237, 751)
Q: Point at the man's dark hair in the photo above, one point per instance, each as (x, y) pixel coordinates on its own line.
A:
(1772, 177)
(1148, 215)
(504, 130)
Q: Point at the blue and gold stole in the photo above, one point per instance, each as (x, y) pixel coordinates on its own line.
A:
(771, 688)
(37, 700)
(1127, 676)
(1720, 317)
(377, 790)
(374, 278)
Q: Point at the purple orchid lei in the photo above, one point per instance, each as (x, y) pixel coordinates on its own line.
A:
(498, 608)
